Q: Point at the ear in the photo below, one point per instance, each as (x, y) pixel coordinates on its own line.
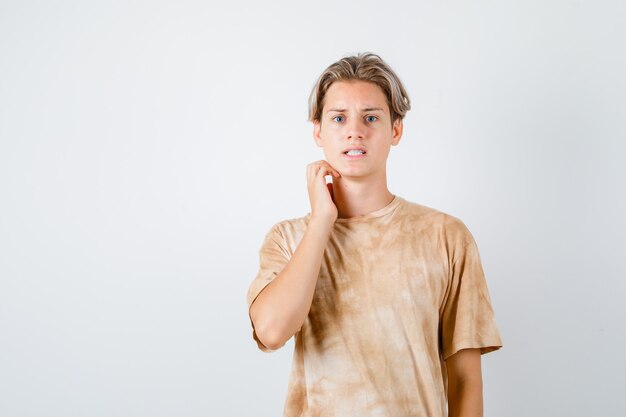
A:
(317, 133)
(396, 132)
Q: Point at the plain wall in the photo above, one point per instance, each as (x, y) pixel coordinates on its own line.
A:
(147, 147)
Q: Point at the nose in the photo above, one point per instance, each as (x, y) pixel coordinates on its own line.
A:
(354, 129)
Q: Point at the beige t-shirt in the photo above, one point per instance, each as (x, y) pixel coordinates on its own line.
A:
(400, 290)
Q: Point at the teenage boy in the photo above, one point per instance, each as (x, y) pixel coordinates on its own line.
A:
(386, 298)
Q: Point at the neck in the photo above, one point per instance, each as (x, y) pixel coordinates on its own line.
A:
(356, 198)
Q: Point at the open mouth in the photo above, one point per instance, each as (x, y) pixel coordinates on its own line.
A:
(354, 152)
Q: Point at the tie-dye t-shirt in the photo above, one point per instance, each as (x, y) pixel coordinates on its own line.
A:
(400, 290)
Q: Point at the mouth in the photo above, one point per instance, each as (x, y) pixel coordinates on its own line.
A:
(355, 152)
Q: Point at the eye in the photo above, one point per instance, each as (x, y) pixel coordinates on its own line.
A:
(338, 117)
(371, 118)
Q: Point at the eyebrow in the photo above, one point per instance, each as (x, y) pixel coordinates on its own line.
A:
(367, 109)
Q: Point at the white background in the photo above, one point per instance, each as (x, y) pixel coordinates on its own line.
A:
(147, 147)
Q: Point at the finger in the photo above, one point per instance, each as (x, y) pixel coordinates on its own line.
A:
(330, 190)
(331, 170)
(314, 167)
(323, 171)
(311, 171)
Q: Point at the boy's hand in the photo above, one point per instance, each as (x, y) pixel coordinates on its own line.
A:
(320, 193)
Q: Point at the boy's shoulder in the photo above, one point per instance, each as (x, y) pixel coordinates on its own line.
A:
(427, 214)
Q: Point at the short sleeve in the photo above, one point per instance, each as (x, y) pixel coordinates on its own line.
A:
(273, 257)
(468, 320)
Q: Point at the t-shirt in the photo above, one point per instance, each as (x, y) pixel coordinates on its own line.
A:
(399, 291)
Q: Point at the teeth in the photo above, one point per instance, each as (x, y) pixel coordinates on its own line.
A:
(355, 152)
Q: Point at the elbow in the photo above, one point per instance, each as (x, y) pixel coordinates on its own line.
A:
(268, 330)
(270, 339)
(274, 345)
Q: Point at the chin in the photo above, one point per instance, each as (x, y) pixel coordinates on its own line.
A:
(354, 174)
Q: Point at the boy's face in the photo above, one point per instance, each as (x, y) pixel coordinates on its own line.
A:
(356, 116)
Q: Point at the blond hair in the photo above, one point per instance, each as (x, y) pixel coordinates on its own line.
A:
(365, 66)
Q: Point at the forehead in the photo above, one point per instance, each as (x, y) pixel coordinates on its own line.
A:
(344, 94)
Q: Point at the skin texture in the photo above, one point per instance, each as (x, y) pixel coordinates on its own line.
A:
(355, 115)
(465, 385)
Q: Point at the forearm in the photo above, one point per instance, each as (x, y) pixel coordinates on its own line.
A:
(281, 308)
(465, 398)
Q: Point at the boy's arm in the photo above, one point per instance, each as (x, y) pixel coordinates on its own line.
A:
(281, 307)
(465, 384)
